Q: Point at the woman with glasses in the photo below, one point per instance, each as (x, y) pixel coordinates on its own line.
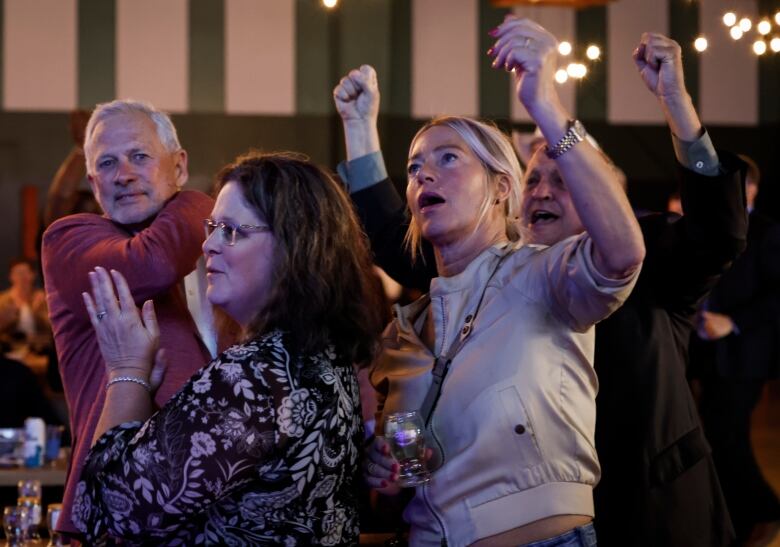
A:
(261, 445)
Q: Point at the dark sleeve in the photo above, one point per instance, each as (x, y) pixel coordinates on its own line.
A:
(145, 481)
(686, 255)
(385, 219)
(764, 308)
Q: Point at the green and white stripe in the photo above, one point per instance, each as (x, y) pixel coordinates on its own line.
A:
(283, 57)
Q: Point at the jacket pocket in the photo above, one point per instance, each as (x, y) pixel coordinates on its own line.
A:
(519, 431)
(678, 457)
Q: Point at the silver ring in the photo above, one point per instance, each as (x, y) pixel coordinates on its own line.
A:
(101, 314)
(370, 467)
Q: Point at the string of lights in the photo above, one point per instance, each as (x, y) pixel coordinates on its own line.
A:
(741, 27)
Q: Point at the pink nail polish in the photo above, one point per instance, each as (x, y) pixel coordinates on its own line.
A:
(493, 31)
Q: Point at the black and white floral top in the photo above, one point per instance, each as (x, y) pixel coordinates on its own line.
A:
(256, 449)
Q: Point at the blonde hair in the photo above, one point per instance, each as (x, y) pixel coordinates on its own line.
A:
(497, 155)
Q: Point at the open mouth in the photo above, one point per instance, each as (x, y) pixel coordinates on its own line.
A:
(428, 200)
(541, 216)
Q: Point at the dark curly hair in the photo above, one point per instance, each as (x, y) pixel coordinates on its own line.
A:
(322, 287)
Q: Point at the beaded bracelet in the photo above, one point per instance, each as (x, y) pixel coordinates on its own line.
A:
(133, 379)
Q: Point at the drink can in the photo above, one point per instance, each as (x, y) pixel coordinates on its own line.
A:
(34, 442)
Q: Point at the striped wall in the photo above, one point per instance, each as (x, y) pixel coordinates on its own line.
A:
(562, 23)
(282, 57)
(445, 58)
(729, 75)
(260, 57)
(39, 54)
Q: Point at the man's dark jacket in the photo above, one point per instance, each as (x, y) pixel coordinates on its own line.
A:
(658, 484)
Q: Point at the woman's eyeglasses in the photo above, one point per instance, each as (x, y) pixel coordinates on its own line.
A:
(228, 232)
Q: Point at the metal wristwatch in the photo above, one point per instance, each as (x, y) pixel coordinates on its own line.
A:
(575, 132)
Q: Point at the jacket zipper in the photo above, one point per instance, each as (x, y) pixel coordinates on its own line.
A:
(425, 486)
(443, 326)
(426, 499)
(433, 512)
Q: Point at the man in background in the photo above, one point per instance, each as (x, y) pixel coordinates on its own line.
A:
(151, 231)
(736, 350)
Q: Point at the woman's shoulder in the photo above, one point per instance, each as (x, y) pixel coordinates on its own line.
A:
(278, 348)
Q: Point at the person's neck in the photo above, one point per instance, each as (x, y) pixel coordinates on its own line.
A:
(453, 258)
(22, 294)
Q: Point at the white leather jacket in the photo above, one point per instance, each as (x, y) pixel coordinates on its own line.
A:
(513, 428)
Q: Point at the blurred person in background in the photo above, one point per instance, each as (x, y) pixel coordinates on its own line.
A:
(24, 316)
(68, 192)
(735, 351)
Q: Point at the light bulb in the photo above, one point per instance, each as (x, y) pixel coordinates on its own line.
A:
(777, 17)
(774, 44)
(330, 4)
(593, 52)
(561, 76)
(764, 27)
(736, 32)
(759, 47)
(700, 44)
(576, 70)
(564, 48)
(729, 18)
(745, 24)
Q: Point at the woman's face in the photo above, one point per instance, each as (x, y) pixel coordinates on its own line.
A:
(446, 187)
(239, 276)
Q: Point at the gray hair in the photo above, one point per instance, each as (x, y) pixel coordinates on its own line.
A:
(166, 131)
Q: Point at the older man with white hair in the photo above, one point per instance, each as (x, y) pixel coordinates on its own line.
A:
(152, 232)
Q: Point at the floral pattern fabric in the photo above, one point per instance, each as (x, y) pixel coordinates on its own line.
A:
(258, 448)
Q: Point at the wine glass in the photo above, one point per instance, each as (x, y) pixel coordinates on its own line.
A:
(52, 516)
(405, 434)
(30, 497)
(15, 522)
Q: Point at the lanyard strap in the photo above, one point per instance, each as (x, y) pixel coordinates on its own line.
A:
(442, 363)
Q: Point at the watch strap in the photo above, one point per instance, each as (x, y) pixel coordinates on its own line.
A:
(566, 143)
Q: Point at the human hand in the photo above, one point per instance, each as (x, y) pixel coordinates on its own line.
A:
(128, 342)
(714, 326)
(530, 51)
(659, 61)
(357, 95)
(380, 468)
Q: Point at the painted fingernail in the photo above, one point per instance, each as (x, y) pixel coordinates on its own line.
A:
(490, 51)
(493, 31)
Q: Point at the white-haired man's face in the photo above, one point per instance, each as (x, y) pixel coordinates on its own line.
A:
(131, 173)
